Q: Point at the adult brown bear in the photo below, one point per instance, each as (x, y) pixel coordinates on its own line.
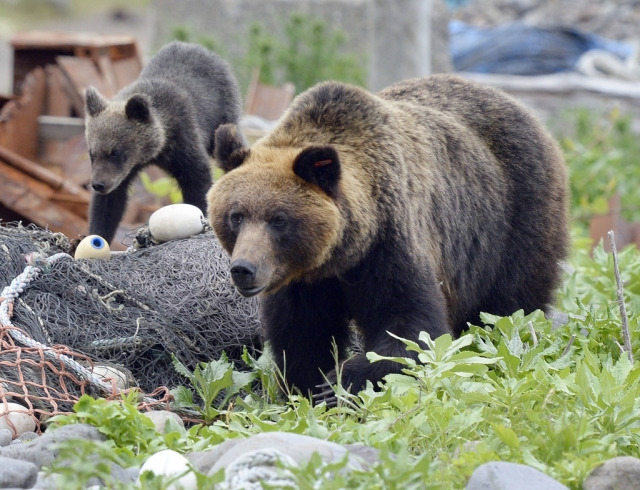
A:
(413, 209)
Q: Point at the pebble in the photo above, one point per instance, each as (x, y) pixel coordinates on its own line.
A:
(20, 463)
(42, 450)
(6, 437)
(260, 450)
(171, 464)
(161, 418)
(17, 474)
(499, 475)
(616, 473)
(16, 418)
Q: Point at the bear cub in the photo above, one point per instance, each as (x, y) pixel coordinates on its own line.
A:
(411, 210)
(168, 117)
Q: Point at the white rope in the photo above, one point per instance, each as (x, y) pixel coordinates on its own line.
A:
(36, 264)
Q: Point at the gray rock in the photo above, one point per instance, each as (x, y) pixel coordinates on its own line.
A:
(617, 473)
(498, 475)
(46, 482)
(160, 418)
(203, 461)
(17, 474)
(27, 437)
(42, 450)
(5, 437)
(296, 447)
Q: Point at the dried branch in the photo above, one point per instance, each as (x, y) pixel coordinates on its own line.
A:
(623, 311)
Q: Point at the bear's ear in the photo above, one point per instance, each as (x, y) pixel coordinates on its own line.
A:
(138, 108)
(94, 103)
(319, 165)
(230, 147)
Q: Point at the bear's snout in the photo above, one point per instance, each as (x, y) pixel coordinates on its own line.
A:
(99, 187)
(243, 274)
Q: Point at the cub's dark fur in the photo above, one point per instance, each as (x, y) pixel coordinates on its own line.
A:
(407, 211)
(167, 117)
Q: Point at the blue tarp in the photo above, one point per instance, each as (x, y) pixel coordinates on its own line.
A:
(520, 49)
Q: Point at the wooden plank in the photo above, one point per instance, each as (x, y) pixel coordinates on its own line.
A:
(267, 101)
(40, 173)
(19, 117)
(126, 71)
(32, 199)
(80, 74)
(106, 70)
(40, 48)
(60, 127)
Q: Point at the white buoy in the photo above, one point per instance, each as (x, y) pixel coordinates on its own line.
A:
(176, 221)
(16, 418)
(93, 247)
(169, 463)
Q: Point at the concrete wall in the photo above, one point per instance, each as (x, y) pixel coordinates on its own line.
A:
(393, 36)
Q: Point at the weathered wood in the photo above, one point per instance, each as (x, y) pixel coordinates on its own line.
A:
(19, 191)
(59, 127)
(267, 101)
(33, 169)
(624, 232)
(81, 73)
(19, 117)
(38, 48)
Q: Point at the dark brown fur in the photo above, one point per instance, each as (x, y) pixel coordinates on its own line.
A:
(413, 210)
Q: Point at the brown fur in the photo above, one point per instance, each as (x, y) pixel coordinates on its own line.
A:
(428, 203)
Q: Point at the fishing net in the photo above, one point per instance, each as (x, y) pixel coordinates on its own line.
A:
(133, 312)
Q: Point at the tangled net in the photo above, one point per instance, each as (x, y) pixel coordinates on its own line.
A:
(133, 312)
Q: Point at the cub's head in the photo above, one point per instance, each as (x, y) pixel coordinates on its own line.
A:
(121, 135)
(275, 210)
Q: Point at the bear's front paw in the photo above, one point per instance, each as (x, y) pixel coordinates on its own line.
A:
(352, 378)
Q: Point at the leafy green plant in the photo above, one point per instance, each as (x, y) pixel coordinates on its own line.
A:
(602, 155)
(307, 52)
(162, 187)
(559, 398)
(215, 383)
(185, 33)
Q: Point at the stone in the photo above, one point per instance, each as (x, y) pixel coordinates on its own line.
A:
(298, 448)
(161, 418)
(15, 473)
(5, 437)
(171, 464)
(42, 450)
(16, 418)
(499, 475)
(617, 473)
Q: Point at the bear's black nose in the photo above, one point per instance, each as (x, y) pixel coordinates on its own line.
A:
(98, 186)
(243, 273)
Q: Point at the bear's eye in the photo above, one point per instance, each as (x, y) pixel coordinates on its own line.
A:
(279, 221)
(116, 155)
(236, 219)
